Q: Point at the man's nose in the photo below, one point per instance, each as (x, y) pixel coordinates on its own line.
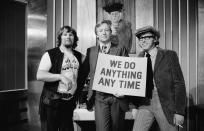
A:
(142, 42)
(115, 14)
(103, 32)
(68, 36)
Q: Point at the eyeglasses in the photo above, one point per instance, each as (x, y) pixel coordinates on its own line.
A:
(145, 38)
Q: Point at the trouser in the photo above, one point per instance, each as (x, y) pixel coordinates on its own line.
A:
(108, 114)
(147, 114)
(59, 116)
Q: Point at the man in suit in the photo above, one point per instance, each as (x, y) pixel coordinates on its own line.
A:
(109, 108)
(167, 100)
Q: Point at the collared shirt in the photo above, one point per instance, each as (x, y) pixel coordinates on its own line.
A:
(108, 45)
(153, 53)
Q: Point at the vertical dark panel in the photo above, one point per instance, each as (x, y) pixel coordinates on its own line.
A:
(13, 45)
(20, 44)
(192, 20)
(66, 11)
(200, 65)
(129, 6)
(192, 47)
(161, 22)
(183, 37)
(3, 16)
(175, 25)
(58, 16)
(20, 25)
(201, 51)
(155, 13)
(50, 23)
(184, 52)
(100, 12)
(167, 24)
(74, 13)
(10, 47)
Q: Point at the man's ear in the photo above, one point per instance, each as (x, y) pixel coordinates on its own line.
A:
(155, 39)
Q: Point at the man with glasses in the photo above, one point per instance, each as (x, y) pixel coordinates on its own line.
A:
(165, 99)
(109, 108)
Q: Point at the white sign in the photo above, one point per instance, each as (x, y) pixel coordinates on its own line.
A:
(122, 75)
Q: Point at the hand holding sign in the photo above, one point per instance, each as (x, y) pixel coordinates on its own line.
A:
(120, 75)
(118, 95)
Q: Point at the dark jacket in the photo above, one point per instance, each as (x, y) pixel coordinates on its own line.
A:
(170, 84)
(89, 67)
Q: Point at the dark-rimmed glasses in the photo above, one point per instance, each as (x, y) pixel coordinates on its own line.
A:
(146, 37)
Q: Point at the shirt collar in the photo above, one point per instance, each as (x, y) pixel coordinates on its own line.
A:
(153, 52)
(108, 45)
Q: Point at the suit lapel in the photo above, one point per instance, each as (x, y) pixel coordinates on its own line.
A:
(160, 55)
(113, 50)
(95, 54)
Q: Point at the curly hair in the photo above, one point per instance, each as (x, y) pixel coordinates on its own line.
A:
(70, 30)
(108, 22)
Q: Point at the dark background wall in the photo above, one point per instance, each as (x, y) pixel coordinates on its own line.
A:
(13, 62)
(13, 45)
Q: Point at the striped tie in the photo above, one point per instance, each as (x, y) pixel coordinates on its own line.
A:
(149, 82)
(104, 49)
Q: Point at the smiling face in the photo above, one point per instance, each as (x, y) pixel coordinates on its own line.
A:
(67, 39)
(103, 33)
(147, 41)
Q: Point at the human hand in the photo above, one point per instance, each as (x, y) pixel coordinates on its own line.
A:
(178, 120)
(67, 97)
(141, 51)
(141, 46)
(90, 104)
(72, 90)
(119, 95)
(66, 81)
(134, 112)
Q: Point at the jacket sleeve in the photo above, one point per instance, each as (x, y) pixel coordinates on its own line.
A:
(124, 52)
(179, 85)
(84, 71)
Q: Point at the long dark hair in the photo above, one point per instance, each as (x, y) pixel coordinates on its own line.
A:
(70, 30)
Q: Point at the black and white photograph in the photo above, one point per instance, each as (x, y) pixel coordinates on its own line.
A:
(102, 65)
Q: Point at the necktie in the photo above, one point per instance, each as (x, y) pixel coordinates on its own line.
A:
(104, 48)
(149, 81)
